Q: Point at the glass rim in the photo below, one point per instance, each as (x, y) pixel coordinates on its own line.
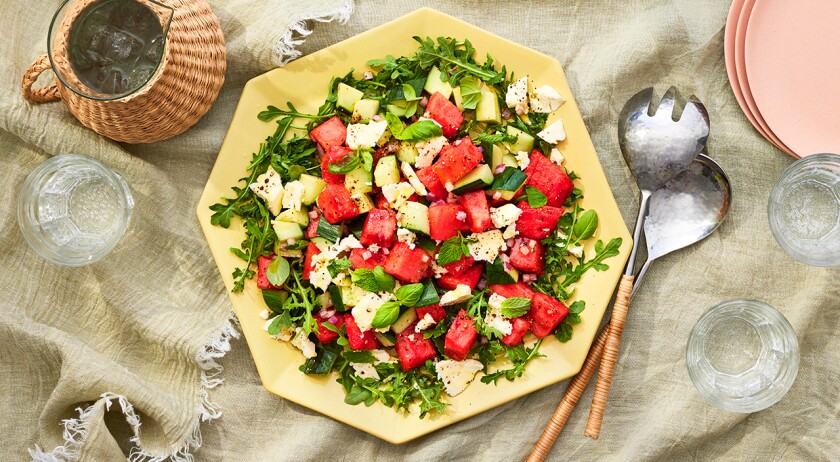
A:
(71, 87)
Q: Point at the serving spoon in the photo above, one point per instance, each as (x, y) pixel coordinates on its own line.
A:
(684, 211)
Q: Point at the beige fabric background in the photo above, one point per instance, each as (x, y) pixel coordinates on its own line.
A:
(134, 323)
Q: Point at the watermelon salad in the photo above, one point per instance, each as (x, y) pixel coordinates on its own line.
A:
(420, 230)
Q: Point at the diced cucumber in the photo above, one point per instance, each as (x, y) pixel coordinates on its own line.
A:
(511, 179)
(502, 195)
(279, 249)
(363, 202)
(321, 243)
(524, 141)
(510, 160)
(487, 109)
(364, 110)
(385, 338)
(407, 152)
(386, 171)
(335, 296)
(398, 108)
(434, 84)
(351, 295)
(358, 181)
(496, 273)
(312, 187)
(429, 295)
(404, 321)
(300, 217)
(497, 155)
(346, 96)
(459, 100)
(415, 217)
(286, 231)
(328, 231)
(478, 178)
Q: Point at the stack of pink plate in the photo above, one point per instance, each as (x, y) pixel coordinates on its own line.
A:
(783, 61)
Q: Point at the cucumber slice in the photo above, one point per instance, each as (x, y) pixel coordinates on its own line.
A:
(524, 141)
(335, 296)
(398, 108)
(510, 160)
(312, 187)
(496, 273)
(429, 295)
(286, 231)
(386, 171)
(358, 181)
(321, 243)
(495, 152)
(511, 179)
(487, 109)
(300, 217)
(415, 217)
(327, 231)
(351, 295)
(280, 249)
(434, 84)
(363, 202)
(478, 178)
(404, 321)
(459, 100)
(347, 96)
(407, 152)
(364, 110)
(385, 338)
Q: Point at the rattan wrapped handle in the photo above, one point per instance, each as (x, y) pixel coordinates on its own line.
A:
(38, 95)
(570, 399)
(605, 373)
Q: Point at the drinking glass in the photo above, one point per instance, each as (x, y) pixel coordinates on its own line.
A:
(742, 355)
(72, 210)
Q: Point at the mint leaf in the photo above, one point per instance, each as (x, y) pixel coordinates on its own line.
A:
(365, 279)
(339, 265)
(586, 225)
(451, 251)
(277, 271)
(395, 125)
(470, 92)
(515, 307)
(410, 294)
(536, 198)
(386, 315)
(384, 280)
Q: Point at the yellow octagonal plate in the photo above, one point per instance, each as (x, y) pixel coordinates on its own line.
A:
(304, 82)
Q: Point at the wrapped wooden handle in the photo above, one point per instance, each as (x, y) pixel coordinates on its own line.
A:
(605, 373)
(38, 95)
(570, 399)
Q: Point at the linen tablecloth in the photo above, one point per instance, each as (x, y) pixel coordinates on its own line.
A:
(142, 331)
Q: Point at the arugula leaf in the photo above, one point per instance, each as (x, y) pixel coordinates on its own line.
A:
(520, 356)
(273, 112)
(357, 395)
(586, 225)
(470, 92)
(359, 356)
(451, 53)
(338, 265)
(515, 307)
(385, 281)
(277, 271)
(386, 315)
(409, 294)
(535, 197)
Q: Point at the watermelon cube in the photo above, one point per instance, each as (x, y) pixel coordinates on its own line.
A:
(381, 202)
(336, 204)
(545, 314)
(512, 290)
(549, 178)
(528, 255)
(435, 188)
(520, 328)
(445, 113)
(262, 279)
(407, 264)
(456, 160)
(537, 223)
(359, 340)
(444, 221)
(459, 267)
(413, 349)
(325, 335)
(469, 277)
(380, 228)
(330, 133)
(478, 211)
(435, 311)
(312, 229)
(374, 259)
(333, 155)
(460, 337)
(311, 251)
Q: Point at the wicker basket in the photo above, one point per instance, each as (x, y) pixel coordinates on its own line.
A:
(183, 88)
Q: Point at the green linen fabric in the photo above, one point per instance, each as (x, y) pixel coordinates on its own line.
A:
(135, 334)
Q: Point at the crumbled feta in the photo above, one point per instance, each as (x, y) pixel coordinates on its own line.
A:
(523, 160)
(460, 294)
(349, 242)
(461, 216)
(366, 308)
(487, 245)
(320, 277)
(494, 317)
(373, 248)
(301, 342)
(546, 99)
(576, 250)
(269, 187)
(554, 133)
(437, 269)
(293, 197)
(561, 235)
(381, 356)
(557, 157)
(368, 134)
(427, 151)
(365, 370)
(505, 215)
(404, 235)
(265, 314)
(456, 375)
(412, 178)
(397, 194)
(425, 323)
(510, 232)
(285, 333)
(449, 186)
(517, 95)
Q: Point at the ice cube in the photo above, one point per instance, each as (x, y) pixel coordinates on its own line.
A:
(124, 47)
(140, 75)
(132, 15)
(115, 82)
(154, 50)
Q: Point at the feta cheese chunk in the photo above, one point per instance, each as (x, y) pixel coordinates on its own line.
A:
(517, 95)
(412, 178)
(510, 232)
(576, 250)
(397, 194)
(404, 235)
(461, 293)
(293, 197)
(285, 334)
(437, 269)
(456, 375)
(425, 323)
(269, 187)
(366, 308)
(427, 151)
(381, 356)
(505, 215)
(320, 277)
(557, 157)
(554, 133)
(494, 317)
(365, 370)
(367, 135)
(523, 159)
(301, 342)
(265, 314)
(487, 245)
(546, 99)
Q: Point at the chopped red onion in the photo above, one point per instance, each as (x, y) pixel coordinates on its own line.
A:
(529, 277)
(482, 283)
(481, 149)
(424, 102)
(461, 216)
(366, 254)
(321, 151)
(377, 118)
(509, 242)
(325, 313)
(501, 168)
(386, 251)
(333, 319)
(313, 214)
(506, 114)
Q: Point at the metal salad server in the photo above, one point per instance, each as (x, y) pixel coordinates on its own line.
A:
(656, 148)
(686, 210)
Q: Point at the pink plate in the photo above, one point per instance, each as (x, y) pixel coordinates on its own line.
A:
(792, 58)
(729, 53)
(740, 68)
